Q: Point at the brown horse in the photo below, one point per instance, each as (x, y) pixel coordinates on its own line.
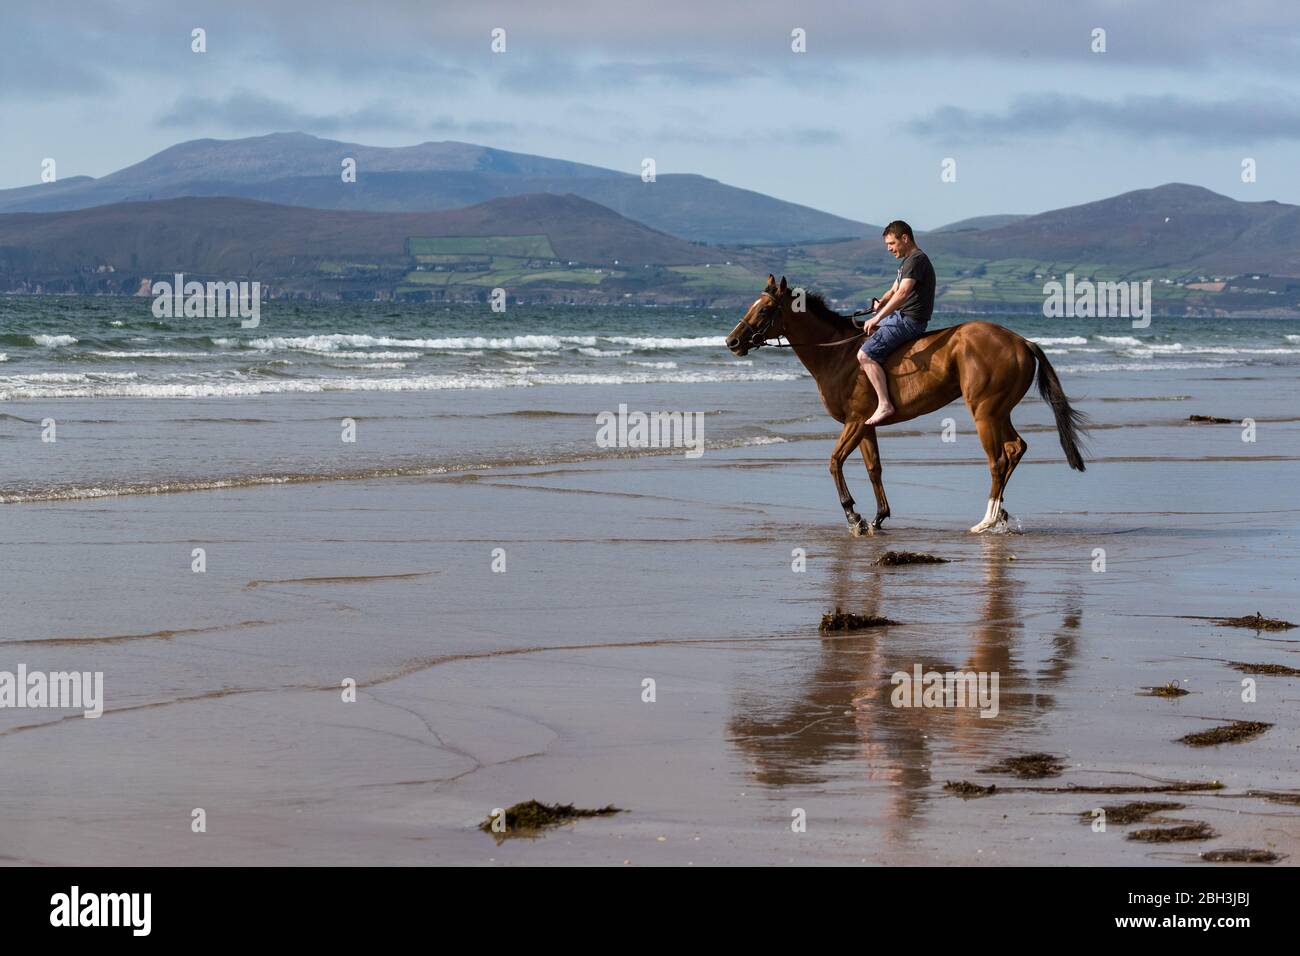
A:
(987, 365)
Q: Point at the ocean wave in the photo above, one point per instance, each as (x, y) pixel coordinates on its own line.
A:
(333, 340)
(1065, 340)
(1144, 366)
(147, 354)
(368, 365)
(650, 342)
(55, 378)
(53, 341)
(1150, 351)
(1119, 339)
(118, 385)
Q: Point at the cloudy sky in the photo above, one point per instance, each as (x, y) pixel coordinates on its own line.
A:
(858, 125)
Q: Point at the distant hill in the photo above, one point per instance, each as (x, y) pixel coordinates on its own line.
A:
(979, 222)
(241, 237)
(1204, 253)
(301, 170)
(1171, 229)
(1175, 226)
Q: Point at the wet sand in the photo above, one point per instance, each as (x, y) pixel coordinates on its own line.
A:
(478, 690)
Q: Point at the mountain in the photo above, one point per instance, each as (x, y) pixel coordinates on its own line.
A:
(1204, 253)
(301, 170)
(1172, 229)
(1171, 226)
(978, 222)
(239, 237)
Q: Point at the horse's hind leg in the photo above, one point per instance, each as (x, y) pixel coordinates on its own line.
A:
(1004, 448)
(1014, 448)
(871, 455)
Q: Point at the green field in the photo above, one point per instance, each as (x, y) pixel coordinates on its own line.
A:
(719, 278)
(525, 247)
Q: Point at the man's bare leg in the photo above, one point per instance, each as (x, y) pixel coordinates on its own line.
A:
(880, 382)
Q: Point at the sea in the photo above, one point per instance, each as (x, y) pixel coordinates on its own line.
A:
(140, 404)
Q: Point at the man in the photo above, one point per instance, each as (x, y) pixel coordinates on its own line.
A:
(900, 317)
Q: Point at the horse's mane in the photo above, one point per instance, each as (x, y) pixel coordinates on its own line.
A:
(816, 303)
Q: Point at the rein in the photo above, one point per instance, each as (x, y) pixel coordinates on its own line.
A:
(758, 337)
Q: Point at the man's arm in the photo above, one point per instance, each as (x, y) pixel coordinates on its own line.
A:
(885, 298)
(896, 298)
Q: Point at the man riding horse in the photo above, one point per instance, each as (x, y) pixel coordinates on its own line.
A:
(900, 316)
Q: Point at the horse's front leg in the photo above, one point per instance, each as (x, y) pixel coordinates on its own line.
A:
(871, 455)
(849, 440)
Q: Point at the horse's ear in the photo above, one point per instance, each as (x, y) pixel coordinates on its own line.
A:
(784, 288)
(771, 281)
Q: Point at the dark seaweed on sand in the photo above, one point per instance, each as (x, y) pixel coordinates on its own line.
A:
(1135, 812)
(1168, 690)
(1234, 733)
(1188, 831)
(1274, 670)
(892, 559)
(964, 788)
(532, 815)
(1211, 419)
(1240, 855)
(967, 789)
(1257, 621)
(1275, 796)
(845, 621)
(1028, 766)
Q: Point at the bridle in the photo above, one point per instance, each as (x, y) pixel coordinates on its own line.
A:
(758, 334)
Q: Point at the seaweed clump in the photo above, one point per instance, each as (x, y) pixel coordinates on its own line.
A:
(1179, 834)
(1256, 621)
(1028, 766)
(1168, 690)
(1274, 670)
(1135, 812)
(1240, 855)
(532, 815)
(1234, 733)
(846, 621)
(964, 788)
(892, 559)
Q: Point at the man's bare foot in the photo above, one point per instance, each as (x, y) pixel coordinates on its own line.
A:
(883, 411)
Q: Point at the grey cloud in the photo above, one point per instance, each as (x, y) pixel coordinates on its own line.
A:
(546, 77)
(1256, 119)
(247, 111)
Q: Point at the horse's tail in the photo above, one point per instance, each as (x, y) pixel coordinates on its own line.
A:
(1070, 423)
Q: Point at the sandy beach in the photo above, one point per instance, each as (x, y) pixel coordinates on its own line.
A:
(478, 689)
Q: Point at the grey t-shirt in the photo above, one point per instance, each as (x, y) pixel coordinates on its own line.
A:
(919, 304)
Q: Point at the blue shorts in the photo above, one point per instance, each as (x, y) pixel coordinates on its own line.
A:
(891, 335)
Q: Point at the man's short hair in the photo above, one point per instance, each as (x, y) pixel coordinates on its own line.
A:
(899, 228)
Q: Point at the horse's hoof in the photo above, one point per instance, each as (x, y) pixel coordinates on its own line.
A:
(860, 528)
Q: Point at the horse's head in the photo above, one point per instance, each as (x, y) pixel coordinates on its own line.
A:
(765, 319)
